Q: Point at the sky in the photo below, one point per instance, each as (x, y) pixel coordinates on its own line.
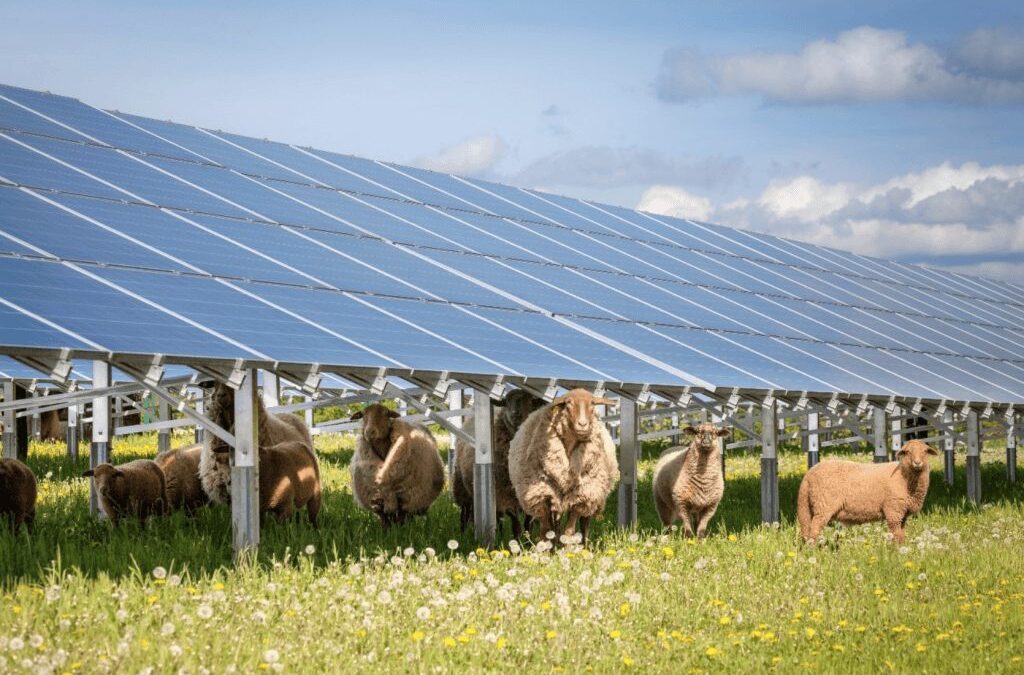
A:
(887, 128)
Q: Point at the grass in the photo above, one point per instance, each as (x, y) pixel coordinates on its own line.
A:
(80, 596)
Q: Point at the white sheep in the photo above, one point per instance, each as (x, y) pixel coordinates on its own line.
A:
(562, 463)
(511, 411)
(688, 481)
(855, 493)
(396, 470)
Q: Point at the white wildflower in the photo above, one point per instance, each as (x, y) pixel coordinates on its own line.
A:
(271, 656)
(204, 611)
(452, 545)
(423, 613)
(310, 549)
(167, 629)
(159, 573)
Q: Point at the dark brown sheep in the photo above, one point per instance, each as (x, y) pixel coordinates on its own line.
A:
(134, 489)
(181, 472)
(17, 493)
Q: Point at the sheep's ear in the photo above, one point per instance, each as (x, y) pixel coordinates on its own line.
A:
(561, 400)
(690, 429)
(902, 451)
(724, 431)
(930, 450)
(356, 416)
(606, 401)
(393, 414)
(88, 474)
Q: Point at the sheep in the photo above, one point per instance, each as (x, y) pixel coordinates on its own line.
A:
(855, 493)
(181, 471)
(514, 408)
(289, 479)
(688, 480)
(562, 463)
(51, 427)
(17, 493)
(137, 488)
(214, 467)
(396, 470)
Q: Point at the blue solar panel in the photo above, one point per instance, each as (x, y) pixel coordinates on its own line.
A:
(943, 335)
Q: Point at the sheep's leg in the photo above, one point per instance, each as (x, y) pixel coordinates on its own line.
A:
(666, 509)
(584, 528)
(517, 529)
(465, 515)
(313, 510)
(705, 518)
(570, 523)
(818, 523)
(895, 524)
(684, 515)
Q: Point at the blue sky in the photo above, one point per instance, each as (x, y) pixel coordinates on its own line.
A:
(890, 128)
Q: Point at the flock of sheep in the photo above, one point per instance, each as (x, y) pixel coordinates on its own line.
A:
(554, 465)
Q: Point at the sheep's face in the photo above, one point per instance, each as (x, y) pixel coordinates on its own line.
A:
(376, 425)
(578, 408)
(110, 481)
(517, 406)
(705, 436)
(914, 455)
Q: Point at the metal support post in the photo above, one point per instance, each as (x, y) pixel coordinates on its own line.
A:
(10, 421)
(949, 448)
(1011, 450)
(271, 390)
(629, 453)
(717, 420)
(245, 470)
(769, 463)
(880, 434)
(73, 431)
(99, 449)
(308, 415)
(163, 437)
(485, 517)
(200, 408)
(455, 402)
(896, 426)
(973, 457)
(812, 441)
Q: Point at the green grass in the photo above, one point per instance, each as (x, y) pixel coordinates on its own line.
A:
(81, 596)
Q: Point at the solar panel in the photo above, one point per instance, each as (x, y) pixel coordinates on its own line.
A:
(208, 244)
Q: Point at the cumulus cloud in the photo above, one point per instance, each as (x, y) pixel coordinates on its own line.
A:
(997, 52)
(862, 64)
(945, 210)
(475, 156)
(606, 167)
(675, 201)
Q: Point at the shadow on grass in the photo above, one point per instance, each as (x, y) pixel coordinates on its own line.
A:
(67, 536)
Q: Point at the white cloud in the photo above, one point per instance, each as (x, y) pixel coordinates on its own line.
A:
(943, 212)
(668, 200)
(862, 64)
(473, 157)
(994, 51)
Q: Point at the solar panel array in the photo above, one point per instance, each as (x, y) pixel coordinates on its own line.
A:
(130, 235)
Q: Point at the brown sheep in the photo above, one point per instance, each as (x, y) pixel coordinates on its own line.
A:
(17, 493)
(214, 468)
(562, 463)
(134, 489)
(855, 493)
(51, 427)
(511, 411)
(688, 481)
(181, 471)
(396, 470)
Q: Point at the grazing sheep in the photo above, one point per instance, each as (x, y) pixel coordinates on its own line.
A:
(17, 493)
(562, 463)
(181, 472)
(512, 411)
(214, 466)
(51, 427)
(134, 489)
(688, 480)
(289, 479)
(396, 470)
(855, 493)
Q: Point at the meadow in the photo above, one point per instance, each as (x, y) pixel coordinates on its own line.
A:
(79, 596)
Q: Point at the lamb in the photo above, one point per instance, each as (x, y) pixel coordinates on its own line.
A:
(514, 408)
(214, 467)
(289, 479)
(137, 488)
(688, 480)
(396, 470)
(855, 493)
(562, 463)
(17, 493)
(181, 471)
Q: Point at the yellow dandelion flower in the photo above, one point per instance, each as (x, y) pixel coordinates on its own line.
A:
(500, 643)
(626, 661)
(776, 660)
(724, 621)
(449, 642)
(810, 633)
(624, 609)
(418, 636)
(732, 537)
(551, 635)
(471, 630)
(615, 634)
(712, 651)
(218, 586)
(919, 647)
(668, 552)
(838, 648)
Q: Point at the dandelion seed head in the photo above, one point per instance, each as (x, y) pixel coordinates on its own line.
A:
(159, 573)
